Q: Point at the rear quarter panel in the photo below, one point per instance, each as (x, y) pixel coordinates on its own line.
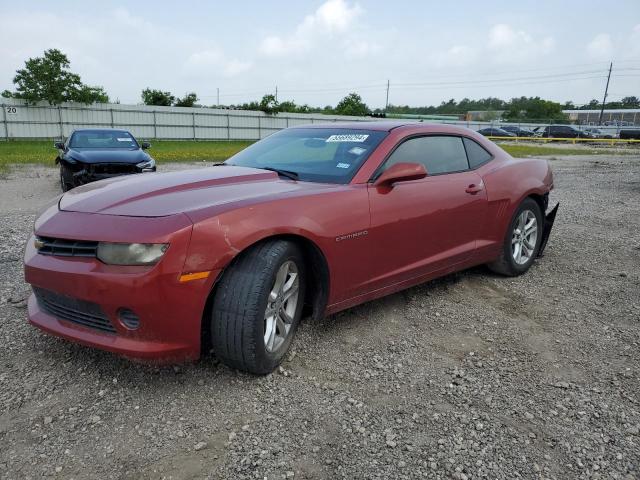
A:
(508, 182)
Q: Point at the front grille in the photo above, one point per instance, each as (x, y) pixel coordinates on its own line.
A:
(81, 312)
(111, 168)
(67, 248)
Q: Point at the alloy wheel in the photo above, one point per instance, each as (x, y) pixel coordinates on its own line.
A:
(282, 305)
(524, 238)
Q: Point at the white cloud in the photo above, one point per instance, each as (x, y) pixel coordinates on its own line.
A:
(508, 45)
(334, 15)
(456, 56)
(120, 51)
(333, 18)
(236, 67)
(504, 36)
(504, 45)
(601, 47)
(358, 48)
(320, 55)
(210, 62)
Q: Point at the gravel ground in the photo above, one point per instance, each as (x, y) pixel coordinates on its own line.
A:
(470, 376)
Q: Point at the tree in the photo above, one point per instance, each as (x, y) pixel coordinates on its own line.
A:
(187, 101)
(352, 105)
(269, 104)
(157, 97)
(48, 78)
(630, 102)
(533, 108)
(289, 106)
(87, 94)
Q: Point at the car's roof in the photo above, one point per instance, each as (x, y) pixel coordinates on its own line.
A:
(382, 126)
(388, 125)
(100, 130)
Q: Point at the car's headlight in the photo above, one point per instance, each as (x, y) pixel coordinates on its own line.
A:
(146, 165)
(131, 253)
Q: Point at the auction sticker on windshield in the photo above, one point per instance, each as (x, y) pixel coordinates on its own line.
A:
(354, 137)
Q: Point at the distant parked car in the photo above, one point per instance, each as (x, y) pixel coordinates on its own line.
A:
(630, 134)
(518, 131)
(495, 132)
(564, 131)
(618, 123)
(95, 154)
(597, 133)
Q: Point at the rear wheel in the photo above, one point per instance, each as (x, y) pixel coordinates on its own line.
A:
(257, 307)
(522, 241)
(66, 178)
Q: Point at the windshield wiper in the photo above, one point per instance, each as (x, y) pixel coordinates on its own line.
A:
(284, 173)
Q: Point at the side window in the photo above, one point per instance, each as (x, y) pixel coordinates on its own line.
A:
(477, 155)
(444, 154)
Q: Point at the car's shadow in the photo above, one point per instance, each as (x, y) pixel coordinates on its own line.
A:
(88, 360)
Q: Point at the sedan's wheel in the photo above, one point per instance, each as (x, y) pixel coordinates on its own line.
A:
(66, 178)
(522, 241)
(257, 306)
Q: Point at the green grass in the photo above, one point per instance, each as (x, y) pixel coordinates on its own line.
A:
(542, 150)
(40, 151)
(186, 151)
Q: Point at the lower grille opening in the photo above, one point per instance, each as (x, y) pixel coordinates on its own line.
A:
(73, 310)
(111, 168)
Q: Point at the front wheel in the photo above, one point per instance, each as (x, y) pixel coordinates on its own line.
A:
(522, 241)
(257, 306)
(66, 178)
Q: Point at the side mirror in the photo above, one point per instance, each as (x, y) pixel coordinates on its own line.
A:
(59, 145)
(400, 172)
(145, 145)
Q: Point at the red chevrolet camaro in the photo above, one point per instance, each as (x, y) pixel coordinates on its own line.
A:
(307, 222)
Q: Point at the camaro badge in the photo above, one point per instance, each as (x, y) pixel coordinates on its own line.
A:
(350, 236)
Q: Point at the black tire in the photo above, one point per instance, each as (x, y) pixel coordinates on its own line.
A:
(239, 306)
(66, 178)
(506, 263)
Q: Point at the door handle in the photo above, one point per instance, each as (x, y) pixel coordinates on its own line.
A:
(474, 188)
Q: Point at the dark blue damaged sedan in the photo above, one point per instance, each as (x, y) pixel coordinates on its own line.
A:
(95, 154)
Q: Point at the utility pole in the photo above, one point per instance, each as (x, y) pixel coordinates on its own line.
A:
(606, 90)
(276, 93)
(386, 103)
(218, 96)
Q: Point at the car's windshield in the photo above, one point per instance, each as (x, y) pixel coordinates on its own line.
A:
(328, 155)
(102, 139)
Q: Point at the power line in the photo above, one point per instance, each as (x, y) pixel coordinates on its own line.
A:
(489, 80)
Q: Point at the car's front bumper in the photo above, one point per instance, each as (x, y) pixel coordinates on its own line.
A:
(93, 172)
(170, 311)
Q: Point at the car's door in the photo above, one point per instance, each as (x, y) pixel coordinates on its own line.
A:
(426, 225)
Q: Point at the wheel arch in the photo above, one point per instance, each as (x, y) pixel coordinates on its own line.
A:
(542, 199)
(317, 291)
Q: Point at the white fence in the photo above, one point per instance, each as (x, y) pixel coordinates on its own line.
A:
(22, 121)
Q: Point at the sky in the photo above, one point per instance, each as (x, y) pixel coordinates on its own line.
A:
(316, 52)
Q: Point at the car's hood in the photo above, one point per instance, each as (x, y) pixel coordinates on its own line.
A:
(107, 155)
(161, 194)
